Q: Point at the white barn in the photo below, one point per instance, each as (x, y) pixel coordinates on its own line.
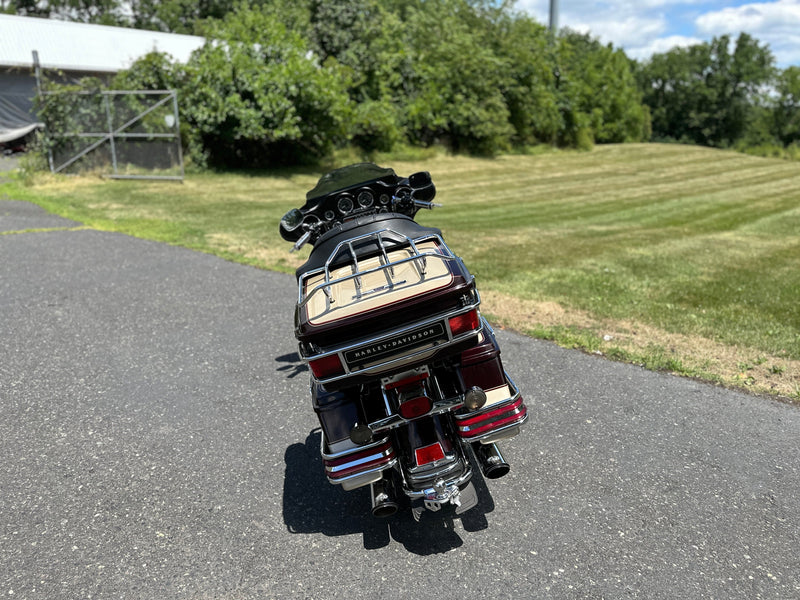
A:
(75, 49)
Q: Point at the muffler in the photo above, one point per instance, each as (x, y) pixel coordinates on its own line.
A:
(383, 502)
(491, 461)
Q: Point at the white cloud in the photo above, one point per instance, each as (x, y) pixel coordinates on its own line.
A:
(632, 30)
(621, 22)
(661, 45)
(783, 15)
(644, 27)
(774, 23)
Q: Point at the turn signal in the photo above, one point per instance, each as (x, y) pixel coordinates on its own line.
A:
(463, 323)
(415, 407)
(326, 366)
(475, 398)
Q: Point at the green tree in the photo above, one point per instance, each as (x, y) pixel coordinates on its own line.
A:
(530, 82)
(601, 85)
(786, 111)
(705, 93)
(359, 36)
(257, 96)
(453, 80)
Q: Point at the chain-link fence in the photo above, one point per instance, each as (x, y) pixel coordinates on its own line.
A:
(120, 134)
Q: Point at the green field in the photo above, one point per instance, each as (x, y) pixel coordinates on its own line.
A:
(676, 257)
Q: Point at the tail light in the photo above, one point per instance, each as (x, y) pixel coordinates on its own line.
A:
(486, 422)
(327, 366)
(462, 323)
(415, 407)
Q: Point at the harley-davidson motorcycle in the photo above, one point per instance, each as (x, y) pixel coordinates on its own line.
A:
(406, 377)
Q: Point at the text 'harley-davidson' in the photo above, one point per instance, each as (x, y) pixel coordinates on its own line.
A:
(406, 377)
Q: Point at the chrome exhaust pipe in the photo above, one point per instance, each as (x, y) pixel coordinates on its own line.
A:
(383, 502)
(491, 461)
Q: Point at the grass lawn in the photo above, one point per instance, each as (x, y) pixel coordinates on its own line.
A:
(675, 257)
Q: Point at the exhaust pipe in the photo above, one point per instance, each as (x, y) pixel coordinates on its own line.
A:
(383, 502)
(491, 461)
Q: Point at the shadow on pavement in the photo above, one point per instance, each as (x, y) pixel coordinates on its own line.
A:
(293, 365)
(313, 505)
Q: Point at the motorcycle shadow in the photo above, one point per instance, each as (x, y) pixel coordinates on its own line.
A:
(312, 505)
(293, 366)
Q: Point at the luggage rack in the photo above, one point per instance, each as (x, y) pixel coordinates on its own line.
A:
(397, 269)
(418, 257)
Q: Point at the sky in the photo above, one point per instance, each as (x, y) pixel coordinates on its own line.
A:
(644, 27)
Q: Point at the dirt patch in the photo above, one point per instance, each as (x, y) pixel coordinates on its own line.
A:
(729, 365)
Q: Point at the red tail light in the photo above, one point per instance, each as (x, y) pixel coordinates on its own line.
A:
(326, 366)
(463, 323)
(428, 454)
(415, 407)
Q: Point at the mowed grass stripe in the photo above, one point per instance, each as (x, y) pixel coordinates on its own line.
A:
(699, 248)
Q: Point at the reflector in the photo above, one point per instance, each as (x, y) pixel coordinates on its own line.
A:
(428, 454)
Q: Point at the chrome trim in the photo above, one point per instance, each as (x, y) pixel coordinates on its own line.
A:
(417, 256)
(400, 359)
(419, 476)
(431, 493)
(395, 420)
(361, 478)
(354, 449)
(331, 471)
(499, 435)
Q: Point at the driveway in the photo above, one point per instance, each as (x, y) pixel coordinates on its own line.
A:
(157, 441)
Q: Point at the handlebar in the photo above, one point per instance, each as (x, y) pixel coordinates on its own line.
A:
(351, 192)
(428, 205)
(302, 241)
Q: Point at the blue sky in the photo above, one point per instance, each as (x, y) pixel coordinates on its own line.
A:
(643, 27)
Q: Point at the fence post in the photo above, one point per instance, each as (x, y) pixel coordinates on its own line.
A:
(110, 133)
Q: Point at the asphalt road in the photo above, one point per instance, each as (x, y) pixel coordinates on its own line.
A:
(157, 441)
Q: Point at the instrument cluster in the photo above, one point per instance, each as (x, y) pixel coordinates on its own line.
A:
(341, 207)
(334, 202)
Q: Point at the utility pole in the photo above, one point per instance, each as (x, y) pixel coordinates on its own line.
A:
(554, 17)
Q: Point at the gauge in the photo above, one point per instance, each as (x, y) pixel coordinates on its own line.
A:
(310, 222)
(384, 199)
(345, 204)
(365, 198)
(329, 215)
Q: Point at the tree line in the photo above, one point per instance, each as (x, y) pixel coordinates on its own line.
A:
(282, 81)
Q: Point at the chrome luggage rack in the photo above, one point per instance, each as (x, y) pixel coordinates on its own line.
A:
(435, 325)
(420, 259)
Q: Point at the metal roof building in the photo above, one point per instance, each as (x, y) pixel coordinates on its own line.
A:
(76, 49)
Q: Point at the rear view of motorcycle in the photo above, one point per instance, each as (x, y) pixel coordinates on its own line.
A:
(406, 376)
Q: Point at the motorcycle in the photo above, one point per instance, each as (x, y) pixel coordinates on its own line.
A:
(406, 376)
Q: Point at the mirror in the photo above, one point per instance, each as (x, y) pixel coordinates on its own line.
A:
(292, 219)
(418, 180)
(425, 194)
